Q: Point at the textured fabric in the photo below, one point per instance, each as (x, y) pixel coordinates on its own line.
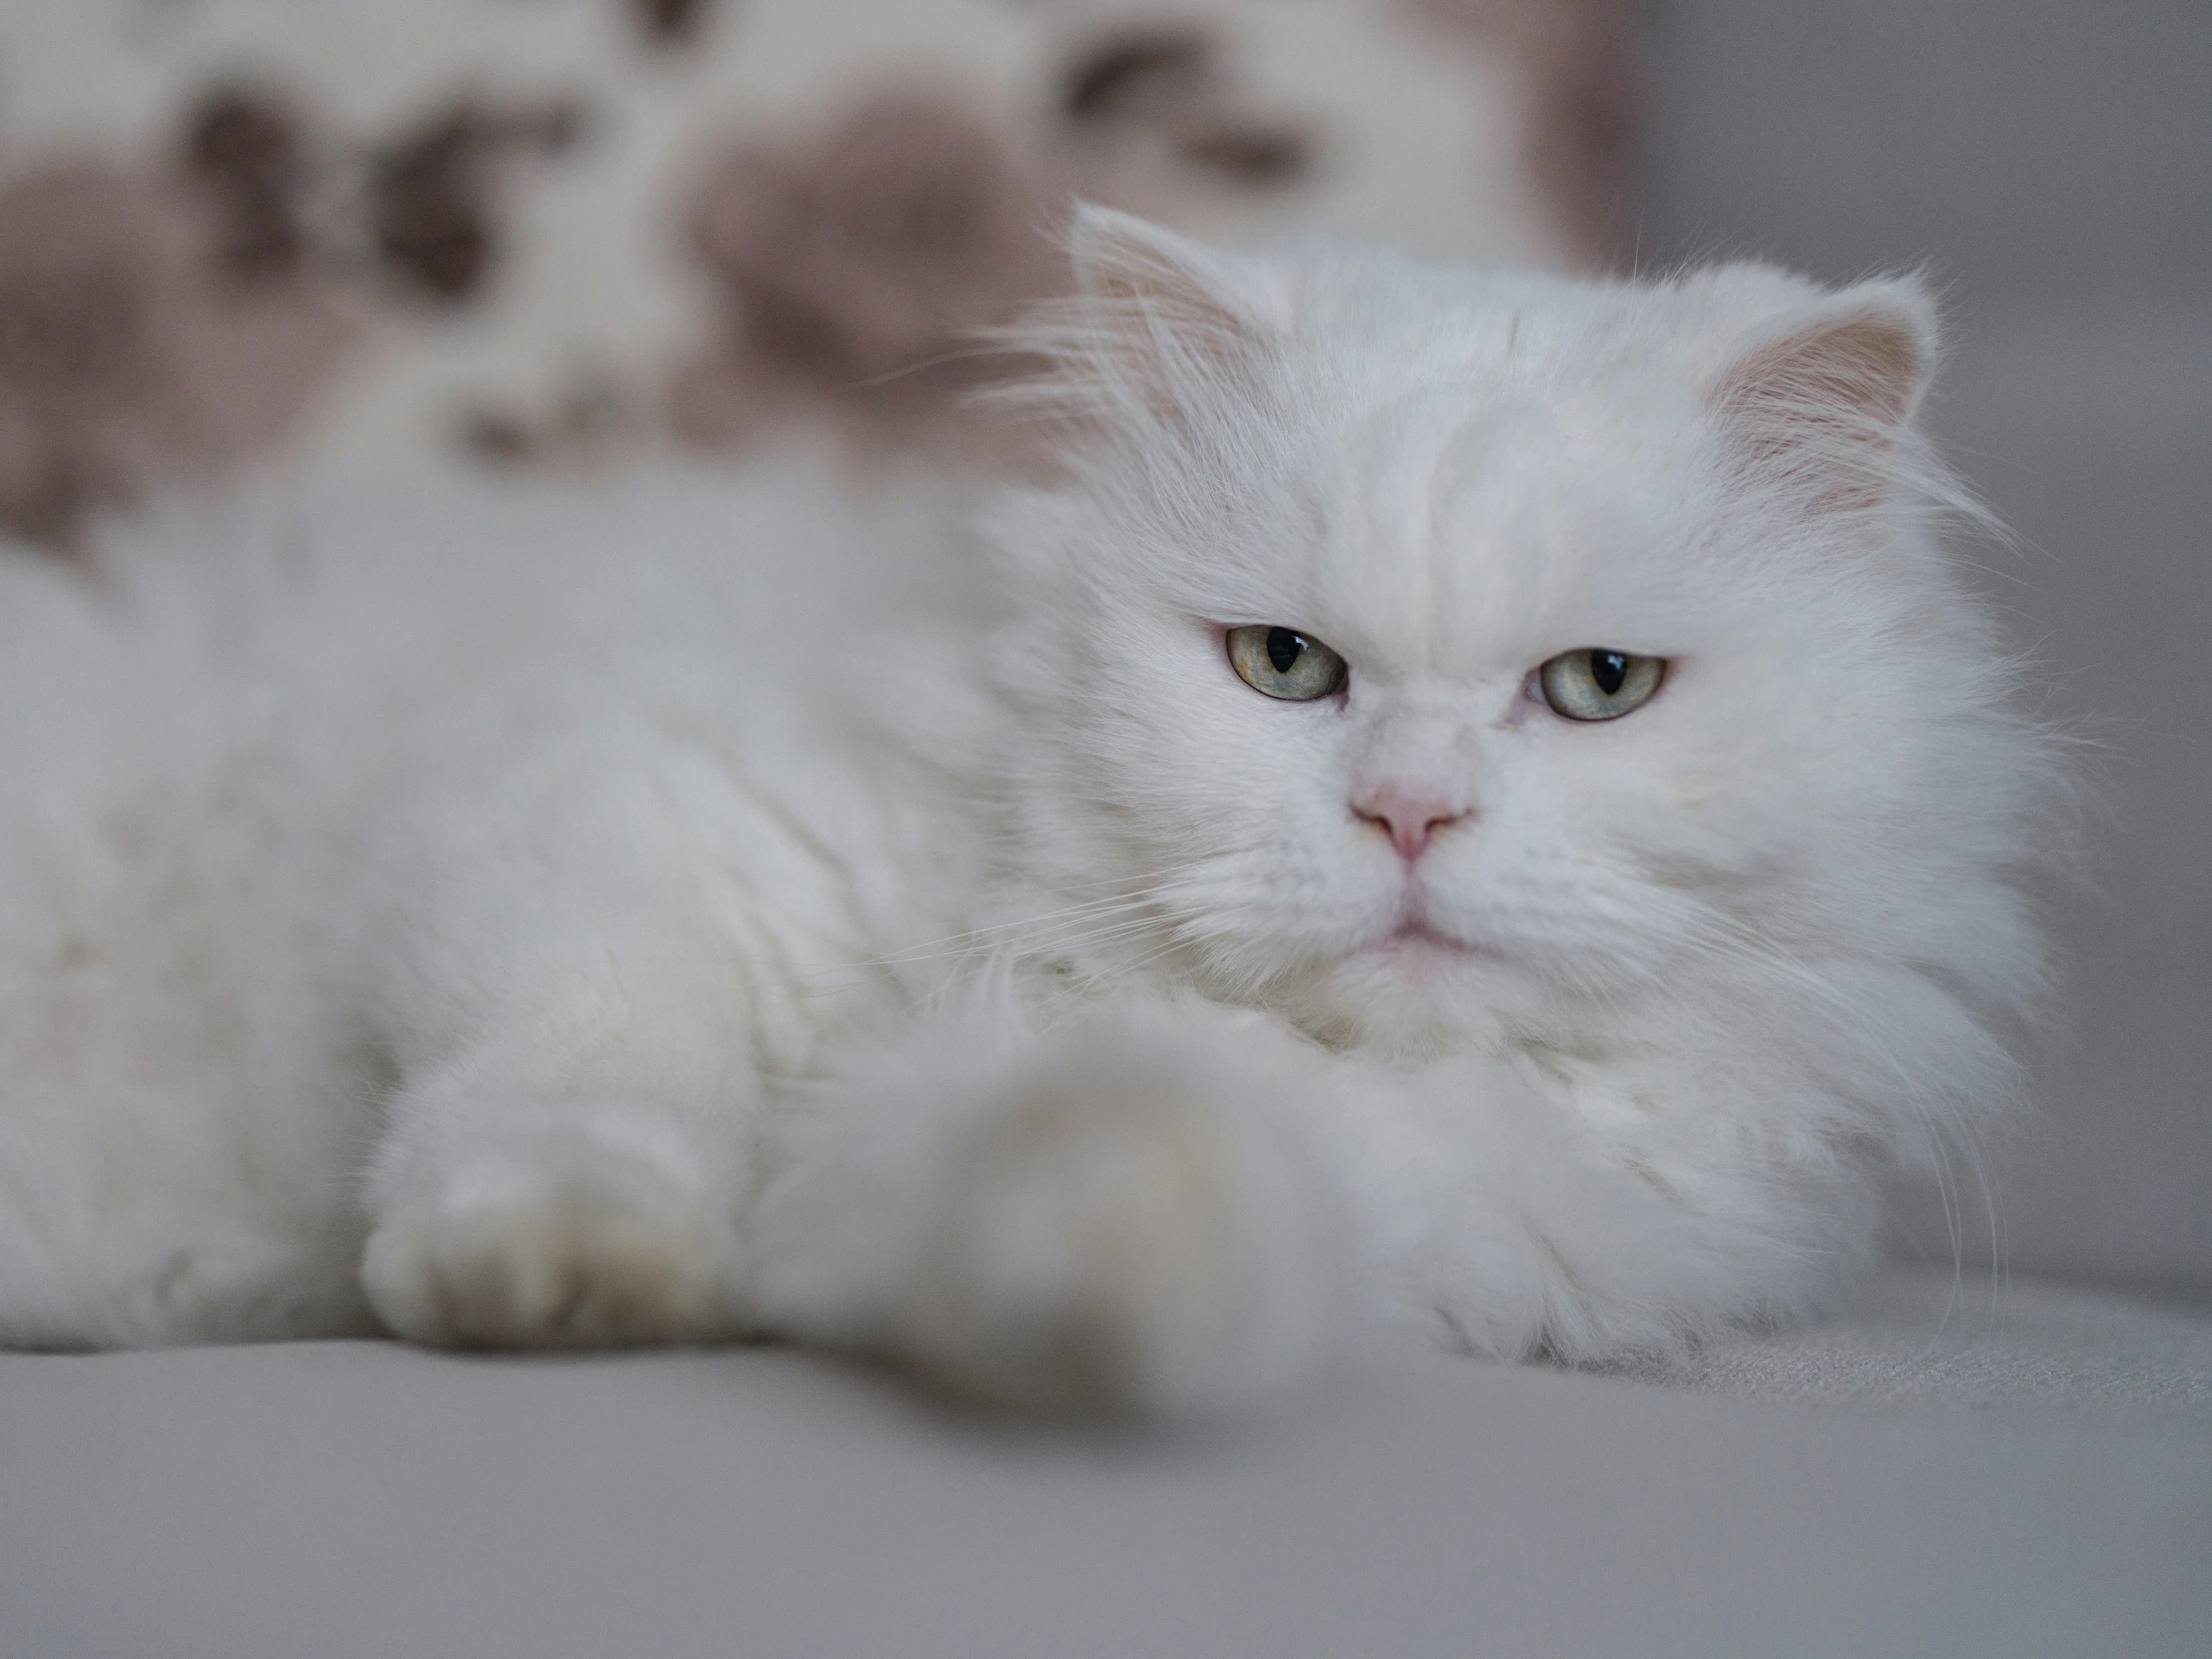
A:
(563, 231)
(1922, 1337)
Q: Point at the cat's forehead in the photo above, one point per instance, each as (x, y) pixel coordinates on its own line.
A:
(1464, 515)
(1453, 474)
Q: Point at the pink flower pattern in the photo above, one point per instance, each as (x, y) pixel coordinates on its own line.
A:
(854, 270)
(126, 352)
(169, 320)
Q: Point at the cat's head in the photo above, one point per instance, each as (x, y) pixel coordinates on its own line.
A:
(1445, 656)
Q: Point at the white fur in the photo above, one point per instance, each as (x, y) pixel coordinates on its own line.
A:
(701, 906)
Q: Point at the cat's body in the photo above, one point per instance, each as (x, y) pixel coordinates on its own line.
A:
(703, 906)
(351, 756)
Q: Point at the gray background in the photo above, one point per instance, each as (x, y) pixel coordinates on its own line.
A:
(2050, 165)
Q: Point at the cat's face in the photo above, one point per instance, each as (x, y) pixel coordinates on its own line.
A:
(1443, 662)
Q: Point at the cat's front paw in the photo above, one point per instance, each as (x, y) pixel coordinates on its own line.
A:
(1125, 1231)
(554, 1238)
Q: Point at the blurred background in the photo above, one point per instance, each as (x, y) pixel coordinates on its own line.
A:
(239, 236)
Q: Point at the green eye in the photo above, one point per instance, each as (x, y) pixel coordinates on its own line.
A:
(1599, 685)
(1281, 662)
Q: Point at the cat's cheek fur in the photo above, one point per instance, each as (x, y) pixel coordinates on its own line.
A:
(1131, 1214)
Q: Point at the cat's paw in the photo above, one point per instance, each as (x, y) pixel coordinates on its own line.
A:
(558, 1236)
(1125, 1232)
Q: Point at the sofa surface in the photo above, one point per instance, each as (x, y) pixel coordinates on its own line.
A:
(1992, 1474)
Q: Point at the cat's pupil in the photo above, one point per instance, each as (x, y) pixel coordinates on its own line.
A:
(1608, 668)
(1283, 649)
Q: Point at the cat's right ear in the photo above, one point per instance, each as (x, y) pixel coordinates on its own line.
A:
(1166, 317)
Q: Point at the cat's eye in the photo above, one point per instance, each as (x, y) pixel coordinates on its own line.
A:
(1600, 684)
(1282, 662)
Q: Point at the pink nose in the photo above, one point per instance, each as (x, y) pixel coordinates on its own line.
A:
(1409, 816)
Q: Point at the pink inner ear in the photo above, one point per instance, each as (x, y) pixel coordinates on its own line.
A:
(1829, 400)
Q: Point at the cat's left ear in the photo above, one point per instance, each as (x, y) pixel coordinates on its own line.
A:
(1823, 397)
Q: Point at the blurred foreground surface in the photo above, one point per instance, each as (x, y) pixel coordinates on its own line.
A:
(2029, 1477)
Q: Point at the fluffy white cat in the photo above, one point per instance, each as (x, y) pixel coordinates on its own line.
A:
(1477, 804)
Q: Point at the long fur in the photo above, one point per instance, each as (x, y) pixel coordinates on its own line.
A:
(706, 906)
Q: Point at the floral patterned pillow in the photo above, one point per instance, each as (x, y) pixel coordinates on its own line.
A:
(563, 231)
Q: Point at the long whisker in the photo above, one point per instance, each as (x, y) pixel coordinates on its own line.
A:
(1063, 930)
(1120, 971)
(952, 943)
(959, 355)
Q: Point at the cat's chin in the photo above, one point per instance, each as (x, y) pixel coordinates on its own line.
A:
(1413, 993)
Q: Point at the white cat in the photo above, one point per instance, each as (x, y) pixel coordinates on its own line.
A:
(1477, 804)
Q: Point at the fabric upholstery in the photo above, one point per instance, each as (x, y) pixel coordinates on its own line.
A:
(559, 233)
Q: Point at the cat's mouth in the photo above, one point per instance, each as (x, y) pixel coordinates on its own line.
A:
(1419, 947)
